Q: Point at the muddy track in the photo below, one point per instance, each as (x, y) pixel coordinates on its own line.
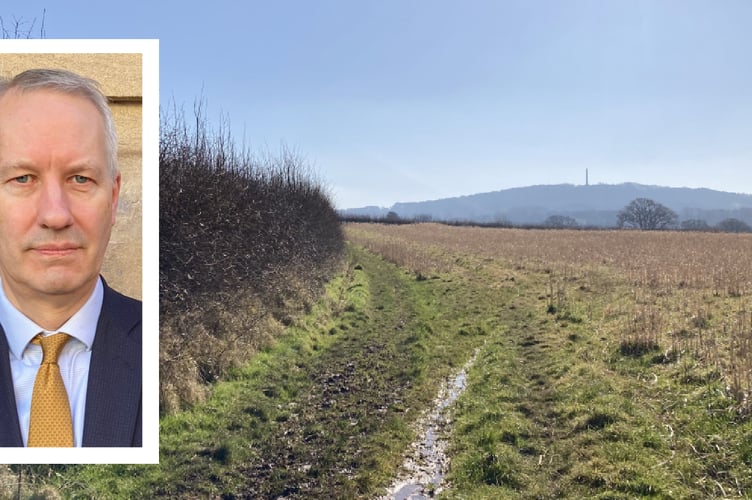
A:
(326, 439)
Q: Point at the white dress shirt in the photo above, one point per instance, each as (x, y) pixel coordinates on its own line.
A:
(26, 357)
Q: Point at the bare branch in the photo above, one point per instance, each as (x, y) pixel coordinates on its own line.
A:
(18, 28)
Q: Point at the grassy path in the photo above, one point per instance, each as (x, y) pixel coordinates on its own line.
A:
(346, 426)
(325, 413)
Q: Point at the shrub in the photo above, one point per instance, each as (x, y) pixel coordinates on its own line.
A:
(734, 226)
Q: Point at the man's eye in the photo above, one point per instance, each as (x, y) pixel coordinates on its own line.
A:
(80, 179)
(23, 179)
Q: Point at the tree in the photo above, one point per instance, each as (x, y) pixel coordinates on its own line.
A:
(560, 221)
(646, 214)
(734, 226)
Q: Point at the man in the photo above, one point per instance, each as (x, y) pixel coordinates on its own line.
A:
(59, 189)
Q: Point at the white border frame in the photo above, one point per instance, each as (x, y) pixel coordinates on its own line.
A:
(149, 453)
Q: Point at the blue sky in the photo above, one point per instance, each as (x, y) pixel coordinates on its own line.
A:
(407, 100)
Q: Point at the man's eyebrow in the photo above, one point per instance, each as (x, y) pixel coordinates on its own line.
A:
(16, 165)
(84, 166)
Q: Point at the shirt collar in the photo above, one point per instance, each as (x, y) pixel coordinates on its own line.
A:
(19, 329)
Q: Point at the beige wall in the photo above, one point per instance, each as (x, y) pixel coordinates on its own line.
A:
(120, 78)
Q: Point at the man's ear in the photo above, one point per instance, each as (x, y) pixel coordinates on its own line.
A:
(115, 197)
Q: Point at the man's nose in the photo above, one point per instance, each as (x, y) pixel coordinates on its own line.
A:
(54, 211)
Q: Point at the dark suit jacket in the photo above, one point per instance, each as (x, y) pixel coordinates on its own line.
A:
(113, 394)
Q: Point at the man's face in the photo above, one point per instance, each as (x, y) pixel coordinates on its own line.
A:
(58, 199)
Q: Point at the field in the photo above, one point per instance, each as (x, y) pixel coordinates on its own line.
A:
(603, 364)
(629, 377)
(683, 293)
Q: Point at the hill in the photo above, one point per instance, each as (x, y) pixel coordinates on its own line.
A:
(595, 205)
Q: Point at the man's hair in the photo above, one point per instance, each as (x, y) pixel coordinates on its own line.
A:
(73, 84)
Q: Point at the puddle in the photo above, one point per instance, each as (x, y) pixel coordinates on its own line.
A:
(427, 463)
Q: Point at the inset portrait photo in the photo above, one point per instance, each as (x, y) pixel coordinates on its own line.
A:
(79, 125)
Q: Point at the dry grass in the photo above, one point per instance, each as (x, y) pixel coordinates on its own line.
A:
(27, 481)
(682, 294)
(720, 262)
(204, 343)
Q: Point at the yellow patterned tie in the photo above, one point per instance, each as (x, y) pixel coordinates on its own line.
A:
(50, 422)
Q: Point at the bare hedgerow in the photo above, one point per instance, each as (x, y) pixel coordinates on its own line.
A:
(243, 239)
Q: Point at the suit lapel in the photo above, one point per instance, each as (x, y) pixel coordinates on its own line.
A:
(10, 430)
(113, 395)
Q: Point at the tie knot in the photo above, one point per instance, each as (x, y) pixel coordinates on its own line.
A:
(52, 345)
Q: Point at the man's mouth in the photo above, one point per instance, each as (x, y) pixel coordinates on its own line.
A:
(56, 250)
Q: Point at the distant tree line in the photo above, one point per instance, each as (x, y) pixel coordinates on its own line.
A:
(648, 215)
(642, 213)
(244, 241)
(560, 222)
